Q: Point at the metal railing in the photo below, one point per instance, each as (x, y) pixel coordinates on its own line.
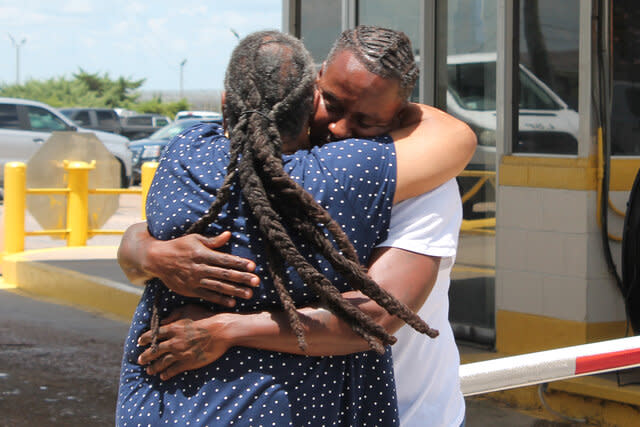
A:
(484, 225)
(77, 193)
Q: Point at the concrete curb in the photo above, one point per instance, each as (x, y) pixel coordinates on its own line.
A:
(28, 272)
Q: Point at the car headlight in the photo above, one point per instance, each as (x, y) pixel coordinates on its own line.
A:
(152, 151)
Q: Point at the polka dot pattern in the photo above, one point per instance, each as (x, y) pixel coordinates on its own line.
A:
(355, 181)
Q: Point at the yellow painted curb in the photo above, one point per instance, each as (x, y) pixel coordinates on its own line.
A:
(70, 287)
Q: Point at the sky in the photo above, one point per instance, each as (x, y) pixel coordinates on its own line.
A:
(134, 39)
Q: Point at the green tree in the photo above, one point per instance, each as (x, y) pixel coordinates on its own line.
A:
(82, 90)
(156, 105)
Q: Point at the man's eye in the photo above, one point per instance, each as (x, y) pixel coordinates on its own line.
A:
(332, 108)
(364, 125)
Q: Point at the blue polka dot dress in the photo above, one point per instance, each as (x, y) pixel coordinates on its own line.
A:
(355, 181)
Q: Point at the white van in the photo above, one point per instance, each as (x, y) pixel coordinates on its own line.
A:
(546, 124)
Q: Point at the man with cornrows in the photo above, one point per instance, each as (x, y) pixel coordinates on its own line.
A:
(362, 90)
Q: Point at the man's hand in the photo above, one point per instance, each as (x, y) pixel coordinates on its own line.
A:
(188, 265)
(190, 338)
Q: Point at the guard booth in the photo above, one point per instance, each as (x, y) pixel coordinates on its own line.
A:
(551, 90)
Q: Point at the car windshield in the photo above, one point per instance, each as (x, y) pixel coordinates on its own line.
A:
(171, 130)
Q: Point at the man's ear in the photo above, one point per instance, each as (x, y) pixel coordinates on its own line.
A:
(320, 71)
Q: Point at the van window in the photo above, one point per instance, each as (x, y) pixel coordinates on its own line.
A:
(160, 122)
(472, 85)
(82, 118)
(41, 119)
(107, 118)
(9, 117)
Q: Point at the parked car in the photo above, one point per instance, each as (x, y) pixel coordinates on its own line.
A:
(211, 115)
(142, 125)
(150, 149)
(25, 125)
(546, 124)
(105, 119)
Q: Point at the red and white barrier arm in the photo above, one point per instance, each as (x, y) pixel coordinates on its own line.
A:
(550, 365)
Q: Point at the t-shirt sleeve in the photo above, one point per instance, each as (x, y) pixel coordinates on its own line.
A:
(428, 224)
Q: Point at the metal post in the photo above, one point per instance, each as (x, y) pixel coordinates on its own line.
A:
(17, 45)
(147, 172)
(184, 61)
(15, 196)
(78, 201)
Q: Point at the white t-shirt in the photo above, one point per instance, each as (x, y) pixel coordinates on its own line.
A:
(426, 370)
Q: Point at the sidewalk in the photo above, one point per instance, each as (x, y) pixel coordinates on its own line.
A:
(90, 278)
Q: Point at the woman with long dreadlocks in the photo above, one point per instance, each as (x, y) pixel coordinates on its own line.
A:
(268, 99)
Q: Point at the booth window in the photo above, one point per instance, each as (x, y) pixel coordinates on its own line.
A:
(387, 14)
(320, 24)
(547, 77)
(625, 103)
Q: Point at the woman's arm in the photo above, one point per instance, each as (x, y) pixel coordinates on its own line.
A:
(432, 147)
(188, 265)
(193, 338)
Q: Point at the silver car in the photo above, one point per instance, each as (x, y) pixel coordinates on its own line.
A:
(25, 125)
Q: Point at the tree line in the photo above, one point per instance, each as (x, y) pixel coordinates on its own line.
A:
(84, 89)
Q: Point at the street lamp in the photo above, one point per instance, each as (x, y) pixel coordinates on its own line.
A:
(17, 45)
(184, 61)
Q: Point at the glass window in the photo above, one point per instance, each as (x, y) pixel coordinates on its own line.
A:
(548, 77)
(387, 14)
(106, 116)
(625, 102)
(161, 121)
(320, 25)
(42, 120)
(82, 118)
(471, 96)
(9, 116)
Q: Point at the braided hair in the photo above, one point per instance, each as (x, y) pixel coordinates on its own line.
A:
(384, 52)
(269, 94)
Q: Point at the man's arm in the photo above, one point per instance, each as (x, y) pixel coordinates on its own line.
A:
(432, 147)
(198, 338)
(188, 265)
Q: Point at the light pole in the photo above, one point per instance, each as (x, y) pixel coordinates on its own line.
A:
(17, 45)
(184, 61)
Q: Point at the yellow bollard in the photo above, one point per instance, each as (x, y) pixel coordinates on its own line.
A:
(147, 171)
(78, 201)
(15, 199)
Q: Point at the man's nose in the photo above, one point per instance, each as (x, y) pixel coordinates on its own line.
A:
(340, 129)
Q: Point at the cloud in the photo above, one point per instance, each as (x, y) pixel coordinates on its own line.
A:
(77, 7)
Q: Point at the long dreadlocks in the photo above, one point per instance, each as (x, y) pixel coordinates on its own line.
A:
(269, 94)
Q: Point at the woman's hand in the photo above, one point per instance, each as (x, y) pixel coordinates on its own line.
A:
(190, 338)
